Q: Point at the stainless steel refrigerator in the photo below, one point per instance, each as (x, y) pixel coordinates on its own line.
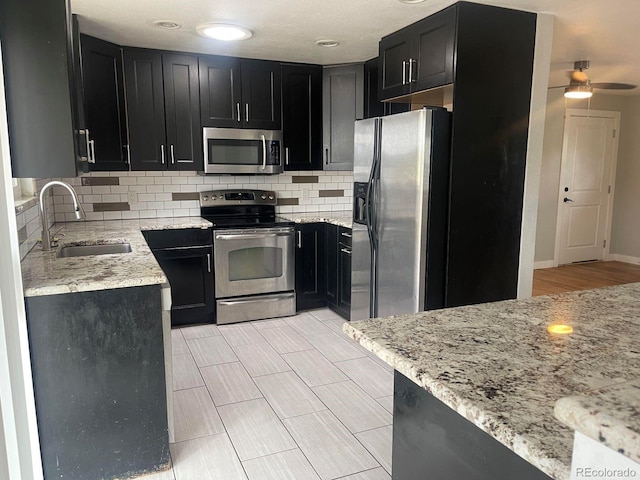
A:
(401, 186)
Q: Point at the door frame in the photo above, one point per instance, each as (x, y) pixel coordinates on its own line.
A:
(577, 112)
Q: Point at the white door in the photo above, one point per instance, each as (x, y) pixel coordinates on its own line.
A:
(586, 183)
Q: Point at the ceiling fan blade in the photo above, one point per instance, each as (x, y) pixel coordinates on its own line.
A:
(559, 86)
(613, 86)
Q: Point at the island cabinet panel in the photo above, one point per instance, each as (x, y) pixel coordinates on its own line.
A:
(430, 440)
(104, 106)
(302, 116)
(311, 277)
(99, 381)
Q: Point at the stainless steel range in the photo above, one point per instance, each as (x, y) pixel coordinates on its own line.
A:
(253, 255)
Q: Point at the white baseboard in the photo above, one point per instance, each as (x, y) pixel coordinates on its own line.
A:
(624, 258)
(544, 264)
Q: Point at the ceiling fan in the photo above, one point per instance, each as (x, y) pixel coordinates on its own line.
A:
(581, 87)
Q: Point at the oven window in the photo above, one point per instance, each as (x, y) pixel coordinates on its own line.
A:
(254, 263)
(235, 152)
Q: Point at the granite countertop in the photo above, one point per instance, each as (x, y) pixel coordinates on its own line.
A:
(340, 218)
(610, 415)
(496, 364)
(44, 274)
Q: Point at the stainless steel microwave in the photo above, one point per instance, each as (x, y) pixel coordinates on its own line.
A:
(242, 151)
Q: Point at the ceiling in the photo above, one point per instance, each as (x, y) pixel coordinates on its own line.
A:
(286, 30)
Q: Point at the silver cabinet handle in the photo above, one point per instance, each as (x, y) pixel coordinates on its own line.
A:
(286, 155)
(411, 62)
(173, 158)
(348, 235)
(128, 154)
(404, 72)
(238, 111)
(209, 262)
(162, 154)
(246, 112)
(345, 250)
(92, 156)
(299, 234)
(326, 155)
(85, 132)
(264, 145)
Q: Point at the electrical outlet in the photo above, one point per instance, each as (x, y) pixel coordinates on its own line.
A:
(133, 198)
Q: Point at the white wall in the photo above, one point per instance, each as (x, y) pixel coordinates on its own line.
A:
(625, 236)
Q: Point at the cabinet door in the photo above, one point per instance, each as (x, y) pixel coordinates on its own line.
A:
(191, 279)
(344, 280)
(433, 50)
(343, 104)
(103, 83)
(37, 63)
(332, 264)
(395, 51)
(220, 91)
(302, 116)
(145, 109)
(261, 90)
(373, 107)
(310, 266)
(182, 112)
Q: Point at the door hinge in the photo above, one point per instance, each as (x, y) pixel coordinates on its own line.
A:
(614, 133)
(604, 244)
(609, 189)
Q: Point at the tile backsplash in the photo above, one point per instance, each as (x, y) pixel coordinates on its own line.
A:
(131, 195)
(28, 219)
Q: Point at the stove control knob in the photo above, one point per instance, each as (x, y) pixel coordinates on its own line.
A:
(270, 197)
(205, 198)
(221, 197)
(264, 197)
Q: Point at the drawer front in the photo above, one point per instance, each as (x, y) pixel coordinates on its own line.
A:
(184, 237)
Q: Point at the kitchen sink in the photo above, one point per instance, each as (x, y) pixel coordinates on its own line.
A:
(89, 250)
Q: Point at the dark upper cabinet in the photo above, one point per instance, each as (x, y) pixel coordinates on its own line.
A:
(220, 91)
(311, 277)
(38, 75)
(105, 128)
(182, 112)
(239, 93)
(145, 109)
(261, 90)
(302, 116)
(373, 107)
(418, 57)
(163, 110)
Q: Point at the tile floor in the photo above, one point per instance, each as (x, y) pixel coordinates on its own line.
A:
(291, 398)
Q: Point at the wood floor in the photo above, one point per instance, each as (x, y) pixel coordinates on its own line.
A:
(582, 276)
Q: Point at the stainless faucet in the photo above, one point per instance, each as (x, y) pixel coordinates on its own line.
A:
(79, 211)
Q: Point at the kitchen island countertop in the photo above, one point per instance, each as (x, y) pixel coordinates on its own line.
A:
(340, 218)
(497, 365)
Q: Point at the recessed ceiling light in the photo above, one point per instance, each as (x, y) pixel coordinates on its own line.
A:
(411, 1)
(224, 31)
(167, 24)
(327, 43)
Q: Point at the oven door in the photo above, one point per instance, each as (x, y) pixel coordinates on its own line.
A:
(242, 151)
(253, 261)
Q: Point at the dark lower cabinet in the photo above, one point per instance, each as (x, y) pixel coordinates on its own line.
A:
(99, 382)
(302, 116)
(430, 440)
(104, 107)
(311, 277)
(186, 257)
(339, 270)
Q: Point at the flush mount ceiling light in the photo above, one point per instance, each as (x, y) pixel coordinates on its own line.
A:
(578, 91)
(167, 24)
(224, 31)
(327, 43)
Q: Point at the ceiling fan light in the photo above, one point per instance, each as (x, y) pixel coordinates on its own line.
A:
(225, 32)
(578, 91)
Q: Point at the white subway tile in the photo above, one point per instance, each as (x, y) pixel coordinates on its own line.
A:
(146, 181)
(60, 217)
(128, 181)
(95, 216)
(146, 197)
(165, 213)
(100, 189)
(188, 188)
(155, 188)
(119, 188)
(163, 197)
(162, 180)
(148, 214)
(194, 212)
(156, 205)
(110, 198)
(179, 180)
(130, 215)
(138, 188)
(173, 188)
(187, 173)
(197, 180)
(113, 215)
(189, 204)
(180, 212)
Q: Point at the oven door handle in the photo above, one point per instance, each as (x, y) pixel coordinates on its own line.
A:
(251, 236)
(264, 151)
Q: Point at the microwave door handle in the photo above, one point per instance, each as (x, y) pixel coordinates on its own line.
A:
(264, 152)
